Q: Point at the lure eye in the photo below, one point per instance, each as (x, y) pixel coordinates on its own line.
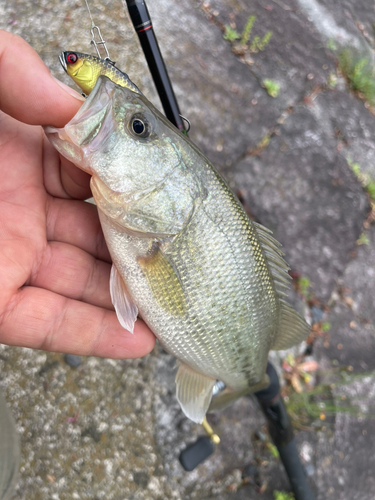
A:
(140, 126)
(71, 58)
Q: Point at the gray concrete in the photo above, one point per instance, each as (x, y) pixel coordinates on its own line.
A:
(113, 429)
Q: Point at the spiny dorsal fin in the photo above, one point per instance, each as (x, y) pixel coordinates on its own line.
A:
(293, 329)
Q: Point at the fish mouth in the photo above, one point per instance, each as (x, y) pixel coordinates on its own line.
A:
(63, 62)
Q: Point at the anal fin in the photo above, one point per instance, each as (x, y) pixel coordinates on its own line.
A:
(125, 308)
(194, 392)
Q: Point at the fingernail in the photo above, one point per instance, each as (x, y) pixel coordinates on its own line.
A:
(70, 91)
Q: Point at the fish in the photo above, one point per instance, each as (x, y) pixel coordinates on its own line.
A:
(84, 70)
(208, 281)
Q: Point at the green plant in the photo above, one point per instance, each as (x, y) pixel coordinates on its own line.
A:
(312, 405)
(245, 36)
(230, 34)
(366, 181)
(303, 285)
(282, 495)
(257, 43)
(272, 87)
(326, 327)
(360, 73)
(332, 80)
(331, 45)
(273, 450)
(260, 44)
(363, 239)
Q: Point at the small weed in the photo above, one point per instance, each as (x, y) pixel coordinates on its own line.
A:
(257, 44)
(303, 285)
(247, 30)
(325, 327)
(360, 72)
(282, 495)
(363, 239)
(331, 45)
(260, 44)
(272, 87)
(230, 34)
(272, 449)
(317, 404)
(332, 80)
(366, 181)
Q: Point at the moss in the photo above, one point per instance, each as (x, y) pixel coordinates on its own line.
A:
(230, 34)
(326, 327)
(304, 284)
(272, 87)
(363, 239)
(360, 73)
(366, 181)
(257, 44)
(245, 36)
(282, 495)
(260, 44)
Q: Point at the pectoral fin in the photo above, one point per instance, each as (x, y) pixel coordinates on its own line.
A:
(163, 281)
(125, 308)
(194, 392)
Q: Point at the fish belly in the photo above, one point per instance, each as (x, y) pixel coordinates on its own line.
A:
(209, 297)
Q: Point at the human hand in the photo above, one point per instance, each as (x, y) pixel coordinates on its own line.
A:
(54, 263)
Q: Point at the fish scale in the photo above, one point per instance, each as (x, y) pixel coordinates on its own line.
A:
(207, 281)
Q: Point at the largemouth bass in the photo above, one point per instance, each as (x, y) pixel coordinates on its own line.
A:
(209, 282)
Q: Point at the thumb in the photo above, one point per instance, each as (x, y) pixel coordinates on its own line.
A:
(28, 91)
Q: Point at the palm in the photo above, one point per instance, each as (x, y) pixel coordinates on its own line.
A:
(54, 264)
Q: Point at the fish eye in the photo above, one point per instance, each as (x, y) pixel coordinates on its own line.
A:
(140, 126)
(71, 58)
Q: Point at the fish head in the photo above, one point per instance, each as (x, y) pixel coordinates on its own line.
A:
(126, 144)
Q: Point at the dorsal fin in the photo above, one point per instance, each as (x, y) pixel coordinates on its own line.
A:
(293, 329)
(277, 265)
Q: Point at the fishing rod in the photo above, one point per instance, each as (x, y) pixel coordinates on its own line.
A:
(143, 26)
(270, 400)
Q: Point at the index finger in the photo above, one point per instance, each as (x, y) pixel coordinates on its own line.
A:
(28, 91)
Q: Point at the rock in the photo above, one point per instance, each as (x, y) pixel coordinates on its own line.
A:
(73, 360)
(303, 190)
(295, 57)
(317, 314)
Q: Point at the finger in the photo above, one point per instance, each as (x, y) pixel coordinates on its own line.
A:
(74, 273)
(41, 319)
(61, 178)
(76, 223)
(28, 91)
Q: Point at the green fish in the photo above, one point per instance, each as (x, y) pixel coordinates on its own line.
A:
(209, 282)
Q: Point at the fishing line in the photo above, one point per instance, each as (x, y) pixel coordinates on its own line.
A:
(96, 31)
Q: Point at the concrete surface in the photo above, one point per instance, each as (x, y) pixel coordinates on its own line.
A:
(113, 429)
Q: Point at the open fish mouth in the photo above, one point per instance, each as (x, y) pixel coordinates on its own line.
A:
(90, 120)
(63, 62)
(89, 129)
